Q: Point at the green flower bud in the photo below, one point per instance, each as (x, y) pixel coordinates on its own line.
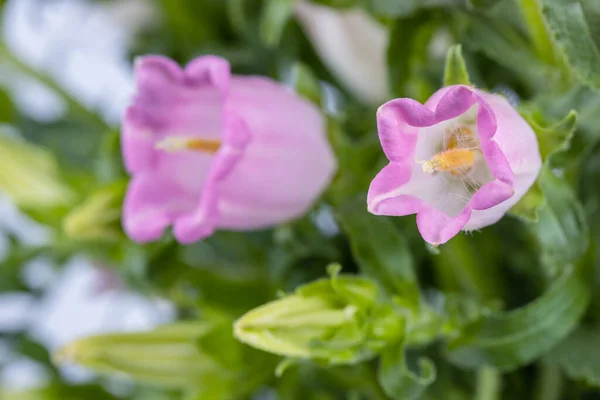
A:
(334, 320)
(99, 216)
(199, 357)
(30, 175)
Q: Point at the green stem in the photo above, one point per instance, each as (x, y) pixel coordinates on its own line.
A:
(74, 105)
(489, 384)
(549, 384)
(459, 269)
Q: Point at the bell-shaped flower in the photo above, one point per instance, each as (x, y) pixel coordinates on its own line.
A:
(352, 44)
(459, 162)
(209, 150)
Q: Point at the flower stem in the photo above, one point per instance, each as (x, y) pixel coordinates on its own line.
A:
(549, 384)
(74, 105)
(459, 269)
(489, 384)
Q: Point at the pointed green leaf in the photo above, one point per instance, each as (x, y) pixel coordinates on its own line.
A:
(379, 249)
(556, 138)
(508, 340)
(562, 228)
(337, 3)
(397, 380)
(482, 3)
(506, 46)
(554, 142)
(566, 21)
(527, 209)
(6, 108)
(408, 57)
(275, 16)
(305, 83)
(531, 10)
(456, 69)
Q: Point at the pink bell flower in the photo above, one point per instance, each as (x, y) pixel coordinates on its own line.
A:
(207, 150)
(459, 162)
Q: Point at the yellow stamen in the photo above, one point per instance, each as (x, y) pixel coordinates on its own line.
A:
(451, 160)
(175, 143)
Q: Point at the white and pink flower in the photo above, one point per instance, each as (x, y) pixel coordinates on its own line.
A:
(460, 161)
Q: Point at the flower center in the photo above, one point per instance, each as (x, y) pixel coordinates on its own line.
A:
(453, 160)
(173, 144)
(458, 154)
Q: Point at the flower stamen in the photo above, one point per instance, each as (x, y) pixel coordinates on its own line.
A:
(454, 160)
(173, 144)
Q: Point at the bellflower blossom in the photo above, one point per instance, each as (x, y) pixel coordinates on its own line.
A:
(209, 150)
(460, 161)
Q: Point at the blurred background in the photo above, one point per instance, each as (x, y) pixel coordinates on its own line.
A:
(67, 271)
(55, 54)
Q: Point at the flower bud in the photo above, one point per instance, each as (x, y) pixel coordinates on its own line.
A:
(330, 319)
(30, 175)
(199, 357)
(99, 216)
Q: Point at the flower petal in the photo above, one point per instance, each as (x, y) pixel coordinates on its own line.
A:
(151, 204)
(398, 120)
(437, 227)
(209, 69)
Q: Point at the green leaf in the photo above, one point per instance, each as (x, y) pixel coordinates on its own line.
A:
(552, 107)
(407, 55)
(508, 340)
(579, 355)
(554, 142)
(397, 380)
(538, 32)
(527, 209)
(591, 10)
(379, 249)
(395, 8)
(6, 108)
(482, 3)
(506, 46)
(555, 138)
(456, 69)
(236, 15)
(562, 228)
(567, 23)
(276, 14)
(337, 3)
(305, 83)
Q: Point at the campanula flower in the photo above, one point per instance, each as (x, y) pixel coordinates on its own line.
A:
(459, 162)
(207, 150)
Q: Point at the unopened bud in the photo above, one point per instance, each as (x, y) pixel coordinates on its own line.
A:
(330, 320)
(29, 175)
(99, 216)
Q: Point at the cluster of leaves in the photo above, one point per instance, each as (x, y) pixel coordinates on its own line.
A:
(509, 312)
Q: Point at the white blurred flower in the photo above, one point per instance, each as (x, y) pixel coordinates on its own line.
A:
(352, 44)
